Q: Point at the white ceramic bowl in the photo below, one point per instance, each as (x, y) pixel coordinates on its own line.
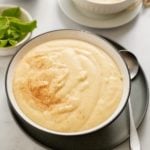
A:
(102, 7)
(6, 51)
(68, 34)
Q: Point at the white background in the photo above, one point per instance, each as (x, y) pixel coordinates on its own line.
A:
(135, 36)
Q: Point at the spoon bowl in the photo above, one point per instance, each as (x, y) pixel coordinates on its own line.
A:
(132, 63)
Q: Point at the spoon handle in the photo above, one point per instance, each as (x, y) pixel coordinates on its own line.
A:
(134, 138)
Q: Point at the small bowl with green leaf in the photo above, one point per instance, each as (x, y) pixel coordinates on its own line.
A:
(16, 26)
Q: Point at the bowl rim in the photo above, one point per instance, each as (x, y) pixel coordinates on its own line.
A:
(27, 14)
(21, 114)
(107, 4)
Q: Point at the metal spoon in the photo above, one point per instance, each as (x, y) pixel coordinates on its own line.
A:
(133, 67)
(131, 62)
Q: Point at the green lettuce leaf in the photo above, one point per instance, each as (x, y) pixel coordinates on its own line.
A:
(12, 42)
(12, 12)
(3, 43)
(4, 23)
(23, 26)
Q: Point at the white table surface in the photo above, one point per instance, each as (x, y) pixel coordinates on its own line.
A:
(135, 36)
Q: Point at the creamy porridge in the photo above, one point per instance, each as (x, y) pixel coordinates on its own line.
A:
(67, 85)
